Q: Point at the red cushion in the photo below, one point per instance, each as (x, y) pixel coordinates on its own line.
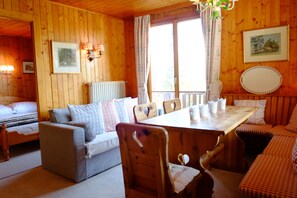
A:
(280, 146)
(270, 176)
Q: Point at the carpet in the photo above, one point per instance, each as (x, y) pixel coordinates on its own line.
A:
(23, 157)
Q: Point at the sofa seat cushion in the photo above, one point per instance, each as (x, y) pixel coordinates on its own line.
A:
(270, 176)
(102, 142)
(254, 129)
(281, 130)
(280, 146)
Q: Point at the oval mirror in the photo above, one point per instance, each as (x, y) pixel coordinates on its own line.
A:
(261, 80)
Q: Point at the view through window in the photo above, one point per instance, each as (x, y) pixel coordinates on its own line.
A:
(178, 62)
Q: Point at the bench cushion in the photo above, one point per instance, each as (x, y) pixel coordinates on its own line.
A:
(281, 130)
(254, 129)
(280, 146)
(270, 176)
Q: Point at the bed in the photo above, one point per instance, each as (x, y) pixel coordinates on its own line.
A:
(18, 122)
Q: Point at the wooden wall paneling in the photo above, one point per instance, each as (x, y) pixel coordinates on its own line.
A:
(130, 58)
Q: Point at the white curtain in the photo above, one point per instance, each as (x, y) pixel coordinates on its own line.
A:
(141, 35)
(212, 35)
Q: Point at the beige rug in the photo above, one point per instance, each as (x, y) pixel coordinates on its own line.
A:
(23, 157)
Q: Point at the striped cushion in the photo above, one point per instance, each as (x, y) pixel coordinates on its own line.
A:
(281, 130)
(294, 156)
(270, 176)
(292, 126)
(280, 146)
(254, 129)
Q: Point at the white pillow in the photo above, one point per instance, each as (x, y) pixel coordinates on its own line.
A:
(4, 110)
(131, 104)
(88, 113)
(23, 107)
(258, 116)
(122, 108)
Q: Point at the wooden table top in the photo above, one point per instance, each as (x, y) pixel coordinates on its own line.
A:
(221, 123)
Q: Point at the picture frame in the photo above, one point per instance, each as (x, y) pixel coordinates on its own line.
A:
(269, 44)
(66, 57)
(28, 67)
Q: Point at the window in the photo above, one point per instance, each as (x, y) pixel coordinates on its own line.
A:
(178, 62)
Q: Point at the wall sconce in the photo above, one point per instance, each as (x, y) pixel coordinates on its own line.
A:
(6, 69)
(94, 53)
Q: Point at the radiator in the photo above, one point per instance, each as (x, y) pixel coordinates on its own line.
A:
(103, 91)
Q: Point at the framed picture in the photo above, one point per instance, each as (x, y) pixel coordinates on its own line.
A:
(66, 57)
(28, 67)
(269, 44)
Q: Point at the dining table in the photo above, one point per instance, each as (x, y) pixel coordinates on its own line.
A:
(210, 132)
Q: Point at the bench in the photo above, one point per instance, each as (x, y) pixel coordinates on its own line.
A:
(271, 174)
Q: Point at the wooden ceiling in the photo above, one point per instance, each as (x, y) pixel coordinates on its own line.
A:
(11, 27)
(126, 8)
(116, 8)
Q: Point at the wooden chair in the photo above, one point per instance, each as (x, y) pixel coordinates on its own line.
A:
(171, 105)
(145, 111)
(146, 170)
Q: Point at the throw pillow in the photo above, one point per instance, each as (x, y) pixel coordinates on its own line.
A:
(91, 113)
(23, 107)
(110, 115)
(4, 110)
(59, 115)
(121, 106)
(292, 126)
(132, 103)
(294, 156)
(258, 116)
(89, 133)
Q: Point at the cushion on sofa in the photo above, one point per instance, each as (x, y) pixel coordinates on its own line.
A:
(132, 103)
(4, 110)
(59, 115)
(258, 116)
(110, 115)
(89, 133)
(122, 108)
(282, 131)
(102, 143)
(292, 126)
(91, 113)
(294, 156)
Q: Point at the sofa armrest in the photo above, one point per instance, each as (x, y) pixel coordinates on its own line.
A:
(63, 149)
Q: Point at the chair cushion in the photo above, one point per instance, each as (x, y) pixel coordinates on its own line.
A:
(102, 143)
(110, 116)
(258, 116)
(294, 156)
(254, 129)
(181, 176)
(90, 113)
(270, 176)
(280, 146)
(292, 126)
(281, 130)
